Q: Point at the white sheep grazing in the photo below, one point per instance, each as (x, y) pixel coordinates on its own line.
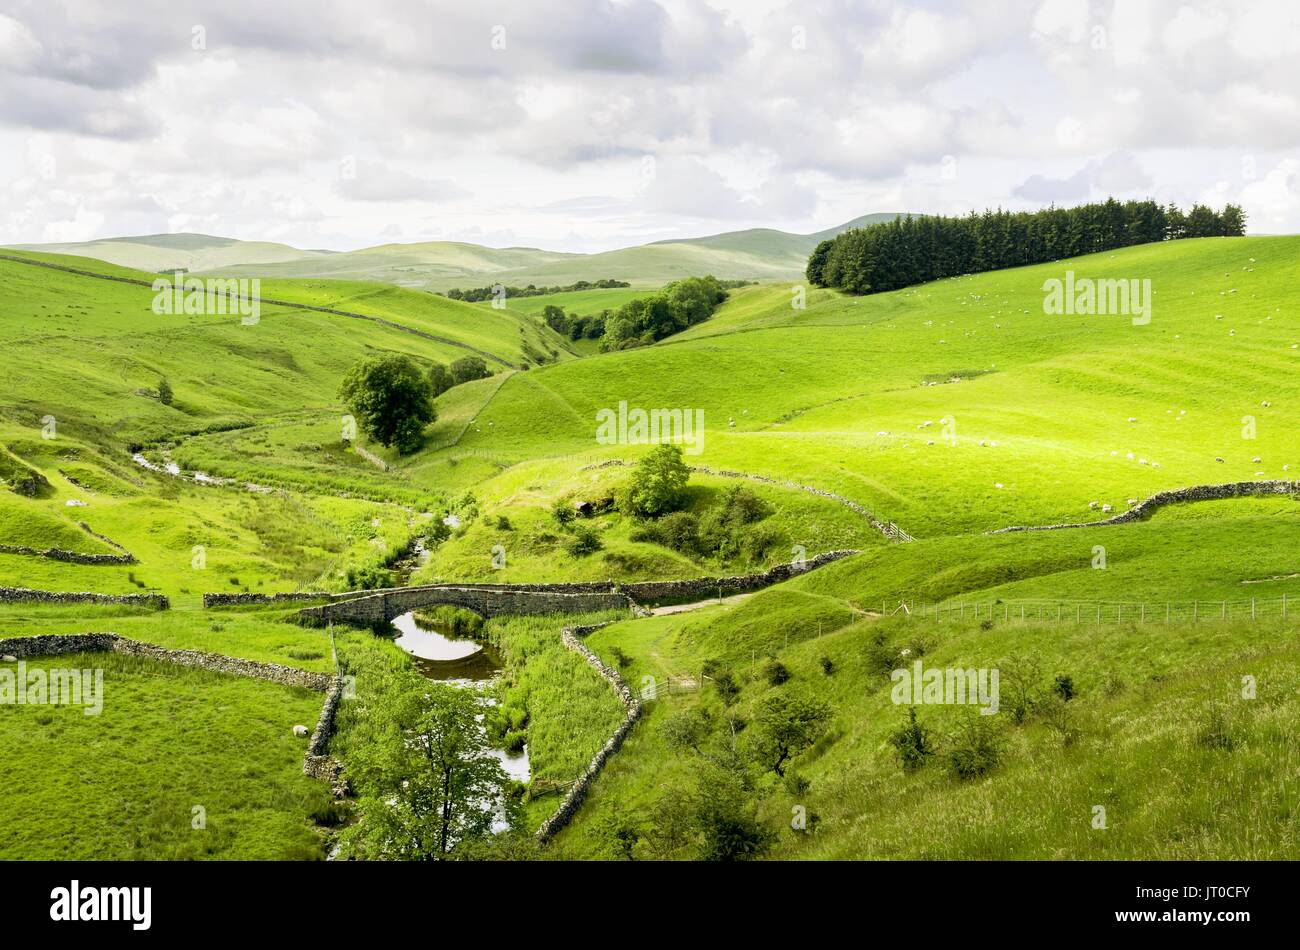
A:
(1092, 505)
(1132, 502)
(1105, 507)
(997, 485)
(1257, 460)
(1155, 464)
(1142, 461)
(1129, 456)
(1132, 418)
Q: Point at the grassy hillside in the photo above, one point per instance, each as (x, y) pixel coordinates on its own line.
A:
(755, 254)
(849, 394)
(953, 408)
(166, 252)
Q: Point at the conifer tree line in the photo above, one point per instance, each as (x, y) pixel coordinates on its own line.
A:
(913, 250)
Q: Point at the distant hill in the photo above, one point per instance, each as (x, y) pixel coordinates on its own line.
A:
(163, 252)
(753, 254)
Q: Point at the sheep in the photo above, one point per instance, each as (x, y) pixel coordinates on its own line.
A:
(1092, 505)
(1105, 508)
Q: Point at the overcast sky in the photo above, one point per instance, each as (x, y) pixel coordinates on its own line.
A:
(591, 124)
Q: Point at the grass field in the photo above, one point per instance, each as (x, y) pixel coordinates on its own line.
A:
(125, 784)
(953, 409)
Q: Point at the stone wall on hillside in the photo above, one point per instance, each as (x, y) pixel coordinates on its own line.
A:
(10, 595)
(244, 600)
(56, 644)
(1172, 497)
(701, 588)
(572, 638)
(71, 557)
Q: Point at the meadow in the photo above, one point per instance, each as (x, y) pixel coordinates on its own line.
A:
(953, 409)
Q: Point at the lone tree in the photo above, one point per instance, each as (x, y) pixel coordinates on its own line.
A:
(657, 482)
(786, 725)
(430, 787)
(440, 379)
(468, 368)
(164, 392)
(391, 400)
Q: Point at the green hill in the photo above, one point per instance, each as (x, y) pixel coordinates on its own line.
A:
(756, 254)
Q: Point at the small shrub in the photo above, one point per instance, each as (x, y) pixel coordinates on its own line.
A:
(584, 542)
(974, 748)
(562, 511)
(503, 523)
(828, 665)
(881, 659)
(1064, 687)
(912, 742)
(775, 672)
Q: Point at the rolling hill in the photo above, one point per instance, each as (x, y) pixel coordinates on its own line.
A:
(755, 254)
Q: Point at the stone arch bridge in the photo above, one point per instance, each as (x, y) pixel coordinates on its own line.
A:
(491, 600)
(486, 600)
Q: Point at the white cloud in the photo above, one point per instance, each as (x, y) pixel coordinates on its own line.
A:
(793, 114)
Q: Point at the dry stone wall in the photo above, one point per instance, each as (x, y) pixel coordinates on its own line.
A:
(24, 594)
(572, 637)
(1173, 497)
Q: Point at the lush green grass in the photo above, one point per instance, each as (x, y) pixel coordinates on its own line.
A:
(809, 390)
(533, 543)
(124, 784)
(1143, 705)
(834, 395)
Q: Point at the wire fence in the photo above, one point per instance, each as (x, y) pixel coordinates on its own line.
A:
(1099, 612)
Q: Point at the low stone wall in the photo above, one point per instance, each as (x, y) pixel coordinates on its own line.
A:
(1172, 497)
(701, 588)
(72, 557)
(578, 791)
(25, 594)
(244, 600)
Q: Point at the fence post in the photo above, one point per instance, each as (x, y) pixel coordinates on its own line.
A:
(1284, 606)
(1252, 608)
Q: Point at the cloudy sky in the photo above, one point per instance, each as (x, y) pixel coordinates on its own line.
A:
(592, 124)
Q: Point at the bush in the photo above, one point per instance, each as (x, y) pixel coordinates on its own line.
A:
(1064, 687)
(828, 665)
(724, 681)
(503, 523)
(775, 672)
(679, 530)
(912, 742)
(164, 391)
(583, 542)
(562, 511)
(468, 368)
(975, 748)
